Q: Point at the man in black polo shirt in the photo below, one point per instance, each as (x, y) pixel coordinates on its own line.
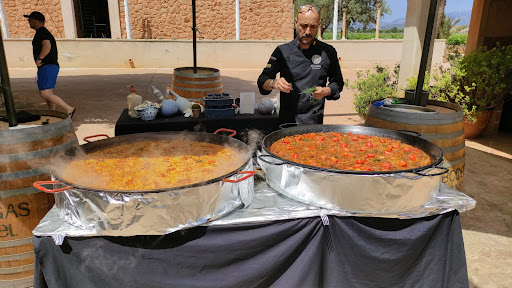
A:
(44, 49)
(303, 63)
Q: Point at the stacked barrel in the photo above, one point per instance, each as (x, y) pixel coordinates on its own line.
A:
(444, 128)
(25, 156)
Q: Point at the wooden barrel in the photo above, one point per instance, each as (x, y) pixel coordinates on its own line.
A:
(444, 128)
(195, 86)
(25, 154)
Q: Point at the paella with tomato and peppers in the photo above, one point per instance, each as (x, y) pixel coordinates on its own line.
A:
(155, 164)
(349, 151)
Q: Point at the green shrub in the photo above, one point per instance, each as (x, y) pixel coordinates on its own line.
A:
(457, 39)
(327, 35)
(487, 78)
(371, 86)
(367, 36)
(477, 82)
(446, 87)
(411, 82)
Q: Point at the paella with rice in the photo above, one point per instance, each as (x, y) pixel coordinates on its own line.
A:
(155, 164)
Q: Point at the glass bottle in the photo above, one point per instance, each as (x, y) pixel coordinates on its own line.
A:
(134, 100)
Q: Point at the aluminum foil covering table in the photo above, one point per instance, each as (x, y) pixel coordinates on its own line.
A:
(268, 205)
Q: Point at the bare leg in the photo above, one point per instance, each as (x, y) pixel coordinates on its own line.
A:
(51, 105)
(55, 100)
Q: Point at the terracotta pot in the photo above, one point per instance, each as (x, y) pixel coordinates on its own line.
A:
(473, 130)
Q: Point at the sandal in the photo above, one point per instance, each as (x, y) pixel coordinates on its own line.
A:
(72, 112)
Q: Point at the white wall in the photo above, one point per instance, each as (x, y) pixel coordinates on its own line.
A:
(102, 53)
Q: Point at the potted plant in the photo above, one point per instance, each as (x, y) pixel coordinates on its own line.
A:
(486, 82)
(477, 82)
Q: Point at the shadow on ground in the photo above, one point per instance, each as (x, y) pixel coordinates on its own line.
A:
(488, 179)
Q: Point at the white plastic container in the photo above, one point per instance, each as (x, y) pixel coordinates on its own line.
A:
(247, 102)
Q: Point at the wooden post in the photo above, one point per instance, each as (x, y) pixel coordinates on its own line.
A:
(344, 23)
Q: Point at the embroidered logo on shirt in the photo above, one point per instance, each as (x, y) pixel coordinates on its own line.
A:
(316, 59)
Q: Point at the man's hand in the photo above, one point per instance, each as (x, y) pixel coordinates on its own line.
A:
(321, 92)
(39, 62)
(282, 85)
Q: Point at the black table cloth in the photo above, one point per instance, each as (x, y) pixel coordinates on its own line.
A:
(242, 123)
(307, 252)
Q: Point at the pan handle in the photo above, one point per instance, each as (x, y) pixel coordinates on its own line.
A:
(262, 158)
(92, 136)
(249, 174)
(410, 132)
(233, 132)
(445, 170)
(288, 125)
(39, 183)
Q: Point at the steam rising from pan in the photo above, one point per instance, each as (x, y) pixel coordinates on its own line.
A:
(147, 147)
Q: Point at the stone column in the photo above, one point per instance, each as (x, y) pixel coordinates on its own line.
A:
(377, 26)
(68, 17)
(477, 25)
(113, 16)
(344, 23)
(414, 35)
(3, 22)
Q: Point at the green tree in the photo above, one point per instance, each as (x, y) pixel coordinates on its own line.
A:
(364, 12)
(439, 17)
(446, 26)
(360, 11)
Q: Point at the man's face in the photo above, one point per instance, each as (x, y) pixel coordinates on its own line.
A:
(32, 22)
(307, 24)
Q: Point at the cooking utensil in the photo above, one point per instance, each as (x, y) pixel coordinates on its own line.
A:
(155, 211)
(353, 190)
(431, 149)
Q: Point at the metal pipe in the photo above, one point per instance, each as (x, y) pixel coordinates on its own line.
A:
(335, 21)
(127, 20)
(5, 88)
(237, 18)
(5, 31)
(194, 30)
(424, 55)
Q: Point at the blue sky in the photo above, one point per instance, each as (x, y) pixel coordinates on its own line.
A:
(399, 8)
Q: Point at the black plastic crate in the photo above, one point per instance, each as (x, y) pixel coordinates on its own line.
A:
(219, 113)
(213, 102)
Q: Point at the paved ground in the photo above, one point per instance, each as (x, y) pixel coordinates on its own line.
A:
(100, 96)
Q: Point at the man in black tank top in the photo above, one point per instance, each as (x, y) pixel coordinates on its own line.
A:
(44, 49)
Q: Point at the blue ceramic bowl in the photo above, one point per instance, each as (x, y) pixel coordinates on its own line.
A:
(148, 113)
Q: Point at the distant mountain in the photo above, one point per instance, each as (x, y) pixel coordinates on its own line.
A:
(398, 23)
(464, 15)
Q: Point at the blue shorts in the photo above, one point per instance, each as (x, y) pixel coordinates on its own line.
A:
(47, 76)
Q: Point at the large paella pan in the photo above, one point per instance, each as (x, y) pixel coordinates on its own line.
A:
(152, 183)
(354, 188)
